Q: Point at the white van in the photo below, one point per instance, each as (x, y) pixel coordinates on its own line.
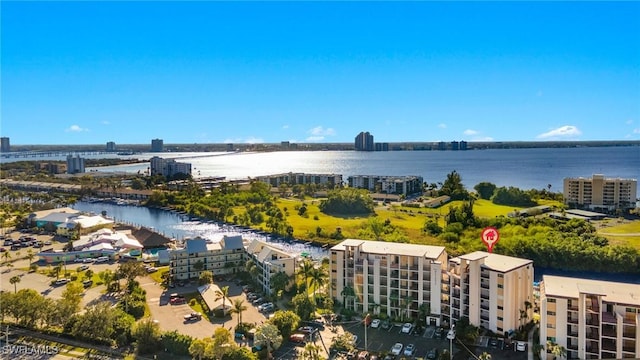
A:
(102, 259)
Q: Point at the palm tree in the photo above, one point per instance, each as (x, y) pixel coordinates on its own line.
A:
(306, 268)
(318, 276)
(347, 293)
(14, 281)
(6, 256)
(238, 308)
(311, 352)
(30, 255)
(57, 270)
(223, 293)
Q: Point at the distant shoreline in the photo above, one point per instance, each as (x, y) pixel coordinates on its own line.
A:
(393, 146)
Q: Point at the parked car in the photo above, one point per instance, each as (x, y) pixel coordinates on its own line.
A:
(151, 270)
(102, 259)
(37, 244)
(493, 342)
(258, 301)
(306, 329)
(3, 249)
(48, 242)
(432, 354)
(363, 355)
(375, 323)
(521, 346)
(8, 243)
(297, 338)
(386, 324)
(87, 283)
(194, 316)
(439, 332)
(266, 307)
(406, 328)
(178, 301)
(83, 267)
(396, 349)
(409, 350)
(88, 260)
(62, 282)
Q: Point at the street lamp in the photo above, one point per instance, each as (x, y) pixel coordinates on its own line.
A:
(451, 335)
(366, 319)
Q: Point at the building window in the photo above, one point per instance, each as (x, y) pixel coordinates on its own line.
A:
(499, 318)
(551, 338)
(500, 307)
(500, 275)
(551, 313)
(550, 326)
(551, 300)
(500, 286)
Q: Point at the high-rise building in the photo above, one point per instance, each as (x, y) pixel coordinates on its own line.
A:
(157, 145)
(75, 164)
(591, 319)
(599, 192)
(455, 145)
(5, 145)
(491, 290)
(269, 260)
(168, 167)
(390, 278)
(111, 146)
(463, 145)
(364, 142)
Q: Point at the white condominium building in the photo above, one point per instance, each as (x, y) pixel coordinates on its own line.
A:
(385, 277)
(269, 261)
(329, 180)
(221, 258)
(599, 192)
(168, 167)
(591, 319)
(493, 291)
(405, 185)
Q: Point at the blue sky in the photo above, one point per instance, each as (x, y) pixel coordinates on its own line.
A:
(213, 72)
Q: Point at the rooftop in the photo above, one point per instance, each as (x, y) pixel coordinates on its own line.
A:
(383, 247)
(614, 292)
(496, 262)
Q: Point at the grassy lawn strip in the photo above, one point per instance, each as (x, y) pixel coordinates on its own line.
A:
(63, 349)
(198, 305)
(157, 276)
(620, 230)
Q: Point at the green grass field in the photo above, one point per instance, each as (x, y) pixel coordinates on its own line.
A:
(622, 233)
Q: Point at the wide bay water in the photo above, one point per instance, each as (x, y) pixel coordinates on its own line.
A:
(523, 168)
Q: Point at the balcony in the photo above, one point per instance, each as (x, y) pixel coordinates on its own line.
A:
(484, 285)
(629, 334)
(609, 346)
(609, 318)
(594, 334)
(609, 331)
(484, 307)
(571, 346)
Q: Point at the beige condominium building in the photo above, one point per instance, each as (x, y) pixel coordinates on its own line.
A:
(221, 258)
(599, 192)
(270, 260)
(591, 319)
(493, 291)
(383, 277)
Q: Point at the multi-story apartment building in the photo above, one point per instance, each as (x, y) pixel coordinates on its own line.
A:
(491, 290)
(405, 185)
(75, 164)
(364, 142)
(269, 260)
(111, 146)
(599, 192)
(168, 167)
(591, 319)
(221, 258)
(157, 145)
(330, 180)
(384, 277)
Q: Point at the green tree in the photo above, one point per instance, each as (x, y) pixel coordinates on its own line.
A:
(347, 201)
(222, 342)
(305, 269)
(239, 353)
(223, 294)
(303, 306)
(176, 343)
(198, 266)
(286, 321)
(238, 308)
(96, 324)
(319, 276)
(485, 190)
(205, 278)
(14, 280)
(198, 348)
(453, 187)
(311, 351)
(267, 335)
(484, 356)
(279, 282)
(146, 333)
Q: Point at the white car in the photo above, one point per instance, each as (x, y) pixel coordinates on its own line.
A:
(521, 346)
(375, 323)
(409, 350)
(396, 349)
(406, 328)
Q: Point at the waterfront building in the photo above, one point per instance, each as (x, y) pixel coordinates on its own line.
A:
(111, 146)
(364, 142)
(269, 260)
(600, 193)
(168, 167)
(382, 146)
(463, 145)
(591, 319)
(329, 180)
(157, 145)
(5, 144)
(491, 290)
(455, 145)
(442, 145)
(391, 278)
(75, 164)
(401, 185)
(225, 257)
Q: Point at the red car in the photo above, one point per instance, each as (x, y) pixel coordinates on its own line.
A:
(177, 301)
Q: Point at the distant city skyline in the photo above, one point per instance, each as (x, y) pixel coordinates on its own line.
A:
(307, 72)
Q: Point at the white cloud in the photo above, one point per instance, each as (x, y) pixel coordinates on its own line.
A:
(285, 126)
(315, 138)
(442, 126)
(470, 132)
(482, 138)
(636, 131)
(566, 131)
(75, 128)
(320, 131)
(105, 122)
(629, 122)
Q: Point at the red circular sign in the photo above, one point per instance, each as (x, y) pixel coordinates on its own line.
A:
(490, 237)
